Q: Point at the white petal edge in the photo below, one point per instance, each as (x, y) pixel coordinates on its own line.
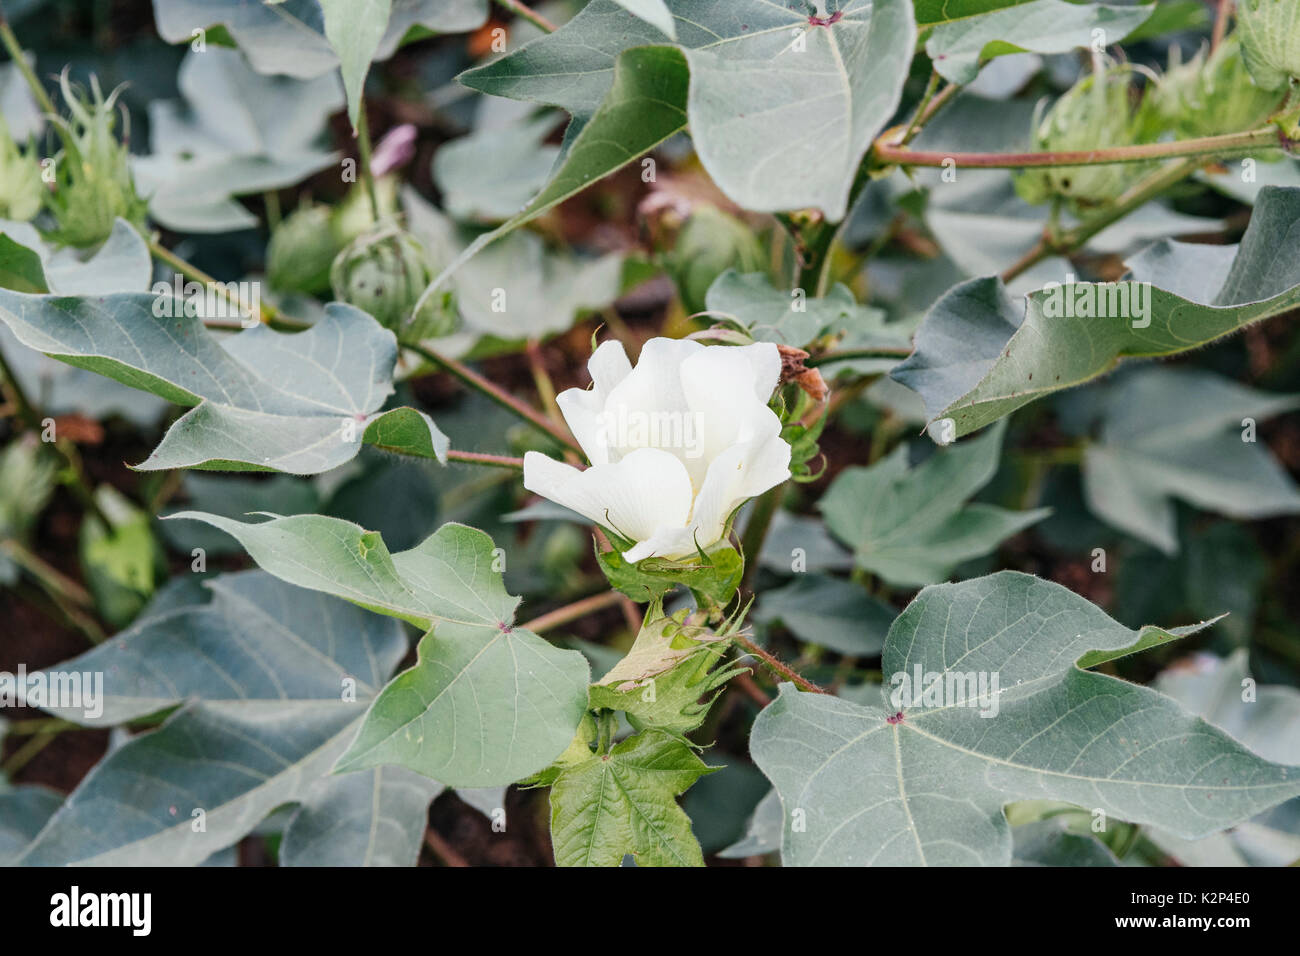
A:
(647, 492)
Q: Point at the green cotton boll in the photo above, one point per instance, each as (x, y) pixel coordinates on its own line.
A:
(92, 182)
(1098, 112)
(1210, 96)
(302, 251)
(1270, 39)
(354, 216)
(384, 273)
(708, 245)
(21, 191)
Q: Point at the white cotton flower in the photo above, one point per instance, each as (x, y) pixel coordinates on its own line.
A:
(675, 444)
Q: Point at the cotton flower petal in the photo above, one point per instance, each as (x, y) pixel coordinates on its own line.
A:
(652, 391)
(582, 408)
(738, 474)
(647, 491)
(720, 388)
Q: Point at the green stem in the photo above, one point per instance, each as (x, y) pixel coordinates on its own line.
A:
(848, 355)
(271, 202)
(469, 377)
(536, 19)
(267, 314)
(891, 154)
(572, 612)
(914, 127)
(1141, 192)
(776, 666)
(15, 51)
(493, 461)
(363, 147)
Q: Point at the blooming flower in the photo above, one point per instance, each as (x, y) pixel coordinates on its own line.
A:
(676, 444)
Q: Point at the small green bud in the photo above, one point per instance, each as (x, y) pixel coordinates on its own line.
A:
(384, 273)
(1096, 113)
(1208, 96)
(708, 245)
(1270, 39)
(302, 250)
(354, 216)
(92, 184)
(21, 191)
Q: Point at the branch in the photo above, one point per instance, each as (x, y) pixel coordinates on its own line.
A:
(775, 665)
(572, 612)
(507, 401)
(492, 461)
(1208, 146)
(1160, 180)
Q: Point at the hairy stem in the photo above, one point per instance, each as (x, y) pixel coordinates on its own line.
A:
(572, 612)
(469, 377)
(492, 461)
(776, 666)
(1207, 146)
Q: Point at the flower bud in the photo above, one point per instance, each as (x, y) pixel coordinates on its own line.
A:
(20, 179)
(93, 184)
(354, 215)
(384, 273)
(1096, 113)
(1270, 39)
(1208, 96)
(302, 250)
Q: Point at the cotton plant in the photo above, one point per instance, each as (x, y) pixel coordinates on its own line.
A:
(754, 475)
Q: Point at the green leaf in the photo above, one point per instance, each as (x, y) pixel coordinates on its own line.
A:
(29, 264)
(653, 12)
(20, 268)
(1178, 433)
(235, 133)
(912, 526)
(373, 818)
(1042, 26)
(781, 109)
(518, 289)
(979, 356)
(486, 703)
(23, 811)
(645, 105)
(273, 681)
(355, 29)
(301, 403)
(494, 172)
(860, 785)
(931, 12)
(774, 316)
(1264, 718)
(828, 612)
(623, 803)
(288, 37)
(1053, 842)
